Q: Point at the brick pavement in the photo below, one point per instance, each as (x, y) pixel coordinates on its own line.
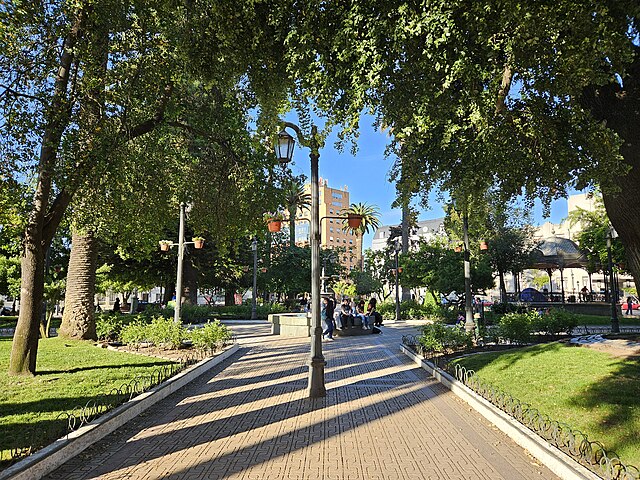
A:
(382, 418)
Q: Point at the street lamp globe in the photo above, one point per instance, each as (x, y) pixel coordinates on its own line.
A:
(284, 147)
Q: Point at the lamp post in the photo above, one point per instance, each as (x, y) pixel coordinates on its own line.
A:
(284, 151)
(165, 245)
(254, 292)
(613, 296)
(469, 323)
(397, 249)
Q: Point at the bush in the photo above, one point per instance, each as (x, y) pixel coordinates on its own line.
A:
(516, 327)
(212, 336)
(437, 337)
(134, 334)
(503, 308)
(554, 322)
(110, 324)
(164, 332)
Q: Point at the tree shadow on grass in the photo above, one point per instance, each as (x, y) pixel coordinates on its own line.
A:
(613, 404)
(158, 363)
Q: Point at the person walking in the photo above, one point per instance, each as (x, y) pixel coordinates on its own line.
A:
(327, 321)
(629, 306)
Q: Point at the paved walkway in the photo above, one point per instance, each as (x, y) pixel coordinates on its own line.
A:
(382, 418)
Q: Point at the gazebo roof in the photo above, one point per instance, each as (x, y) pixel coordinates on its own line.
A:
(558, 252)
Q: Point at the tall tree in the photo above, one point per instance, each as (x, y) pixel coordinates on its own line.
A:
(48, 86)
(536, 98)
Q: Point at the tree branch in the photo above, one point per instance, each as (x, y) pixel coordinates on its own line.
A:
(157, 119)
(10, 90)
(505, 86)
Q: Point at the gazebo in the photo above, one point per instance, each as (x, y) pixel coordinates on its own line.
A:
(558, 253)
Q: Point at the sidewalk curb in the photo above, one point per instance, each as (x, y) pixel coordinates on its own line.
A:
(554, 459)
(62, 450)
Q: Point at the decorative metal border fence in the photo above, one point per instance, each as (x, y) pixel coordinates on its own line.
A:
(69, 421)
(591, 454)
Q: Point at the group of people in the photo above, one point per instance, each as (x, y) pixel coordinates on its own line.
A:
(343, 316)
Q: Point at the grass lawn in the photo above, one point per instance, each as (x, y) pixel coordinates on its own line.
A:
(591, 391)
(601, 320)
(69, 375)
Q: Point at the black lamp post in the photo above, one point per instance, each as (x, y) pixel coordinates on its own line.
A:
(254, 292)
(613, 293)
(284, 153)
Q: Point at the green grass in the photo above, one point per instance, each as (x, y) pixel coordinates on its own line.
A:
(69, 374)
(591, 391)
(606, 320)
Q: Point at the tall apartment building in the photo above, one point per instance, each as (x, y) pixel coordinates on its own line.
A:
(332, 235)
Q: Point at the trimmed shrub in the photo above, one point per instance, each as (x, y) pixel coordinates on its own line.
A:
(516, 327)
(164, 332)
(502, 308)
(212, 336)
(110, 324)
(134, 334)
(438, 337)
(554, 322)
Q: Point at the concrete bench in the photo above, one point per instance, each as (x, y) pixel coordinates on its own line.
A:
(290, 324)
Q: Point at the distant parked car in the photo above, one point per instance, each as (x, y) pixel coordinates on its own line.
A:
(635, 303)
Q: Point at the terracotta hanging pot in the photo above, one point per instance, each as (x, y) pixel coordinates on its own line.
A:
(354, 221)
(274, 225)
(198, 242)
(484, 245)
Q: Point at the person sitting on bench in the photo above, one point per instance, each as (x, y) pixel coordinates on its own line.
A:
(346, 315)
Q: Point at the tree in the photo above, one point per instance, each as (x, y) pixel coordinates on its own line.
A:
(535, 98)
(100, 93)
(296, 198)
(594, 227)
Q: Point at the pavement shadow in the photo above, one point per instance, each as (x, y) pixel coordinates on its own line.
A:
(179, 439)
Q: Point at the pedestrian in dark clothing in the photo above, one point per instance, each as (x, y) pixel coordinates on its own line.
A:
(116, 305)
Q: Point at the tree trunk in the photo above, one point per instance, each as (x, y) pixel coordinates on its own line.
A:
(40, 226)
(406, 292)
(169, 288)
(292, 227)
(229, 297)
(78, 321)
(190, 283)
(503, 288)
(619, 107)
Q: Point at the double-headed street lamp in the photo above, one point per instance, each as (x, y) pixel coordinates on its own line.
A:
(613, 290)
(197, 242)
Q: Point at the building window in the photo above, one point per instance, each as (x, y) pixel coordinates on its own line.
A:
(331, 212)
(331, 229)
(337, 195)
(336, 204)
(351, 242)
(344, 240)
(331, 239)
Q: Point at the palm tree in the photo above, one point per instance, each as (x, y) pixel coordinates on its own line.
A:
(370, 218)
(296, 199)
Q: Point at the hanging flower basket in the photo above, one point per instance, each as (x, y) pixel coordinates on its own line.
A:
(164, 245)
(457, 249)
(274, 225)
(263, 269)
(198, 242)
(400, 269)
(354, 221)
(484, 245)
(245, 268)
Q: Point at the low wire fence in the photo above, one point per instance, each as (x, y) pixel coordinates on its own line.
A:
(44, 432)
(591, 454)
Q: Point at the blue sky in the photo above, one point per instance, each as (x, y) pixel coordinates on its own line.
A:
(366, 176)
